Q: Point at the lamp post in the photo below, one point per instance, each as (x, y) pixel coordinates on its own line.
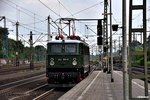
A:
(111, 55)
(125, 70)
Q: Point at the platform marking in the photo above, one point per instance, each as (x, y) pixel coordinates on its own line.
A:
(87, 88)
(108, 91)
(109, 95)
(132, 81)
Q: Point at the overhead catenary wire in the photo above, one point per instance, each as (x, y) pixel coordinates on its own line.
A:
(24, 9)
(32, 29)
(26, 27)
(39, 38)
(37, 30)
(53, 12)
(24, 39)
(49, 8)
(68, 10)
(36, 22)
(21, 9)
(12, 21)
(65, 8)
(90, 29)
(81, 10)
(113, 17)
(87, 8)
(16, 8)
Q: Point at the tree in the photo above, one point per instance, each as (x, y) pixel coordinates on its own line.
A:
(40, 53)
(3, 42)
(11, 48)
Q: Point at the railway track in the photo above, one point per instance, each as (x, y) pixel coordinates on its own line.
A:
(20, 82)
(45, 94)
(11, 69)
(5, 79)
(135, 70)
(55, 93)
(52, 94)
(28, 89)
(20, 88)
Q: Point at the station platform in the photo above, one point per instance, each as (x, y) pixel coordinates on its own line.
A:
(98, 86)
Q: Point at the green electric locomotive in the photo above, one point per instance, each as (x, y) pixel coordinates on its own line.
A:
(67, 62)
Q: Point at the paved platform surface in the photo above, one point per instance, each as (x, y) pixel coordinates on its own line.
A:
(98, 86)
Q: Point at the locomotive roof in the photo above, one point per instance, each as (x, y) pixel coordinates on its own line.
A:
(68, 41)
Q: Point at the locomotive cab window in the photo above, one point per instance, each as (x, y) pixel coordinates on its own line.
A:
(84, 49)
(56, 48)
(70, 48)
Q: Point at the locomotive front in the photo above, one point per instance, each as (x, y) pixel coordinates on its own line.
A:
(66, 65)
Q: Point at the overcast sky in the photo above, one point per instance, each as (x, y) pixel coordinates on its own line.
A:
(28, 12)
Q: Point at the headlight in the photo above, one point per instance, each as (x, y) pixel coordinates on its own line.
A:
(52, 62)
(74, 62)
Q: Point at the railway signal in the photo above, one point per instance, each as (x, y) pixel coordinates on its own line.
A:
(99, 33)
(99, 28)
(31, 51)
(115, 27)
(99, 40)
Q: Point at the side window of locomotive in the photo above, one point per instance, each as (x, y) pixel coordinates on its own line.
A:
(81, 48)
(71, 48)
(56, 48)
(48, 49)
(88, 52)
(84, 49)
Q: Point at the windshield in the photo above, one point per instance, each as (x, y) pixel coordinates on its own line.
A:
(56, 48)
(63, 48)
(70, 48)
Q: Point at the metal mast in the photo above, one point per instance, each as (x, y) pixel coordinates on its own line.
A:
(49, 38)
(17, 45)
(105, 27)
(31, 52)
(111, 47)
(4, 38)
(132, 30)
(124, 57)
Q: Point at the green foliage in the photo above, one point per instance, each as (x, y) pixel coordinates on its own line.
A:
(24, 52)
(148, 53)
(137, 51)
(11, 48)
(1, 31)
(40, 53)
(139, 61)
(138, 58)
(148, 63)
